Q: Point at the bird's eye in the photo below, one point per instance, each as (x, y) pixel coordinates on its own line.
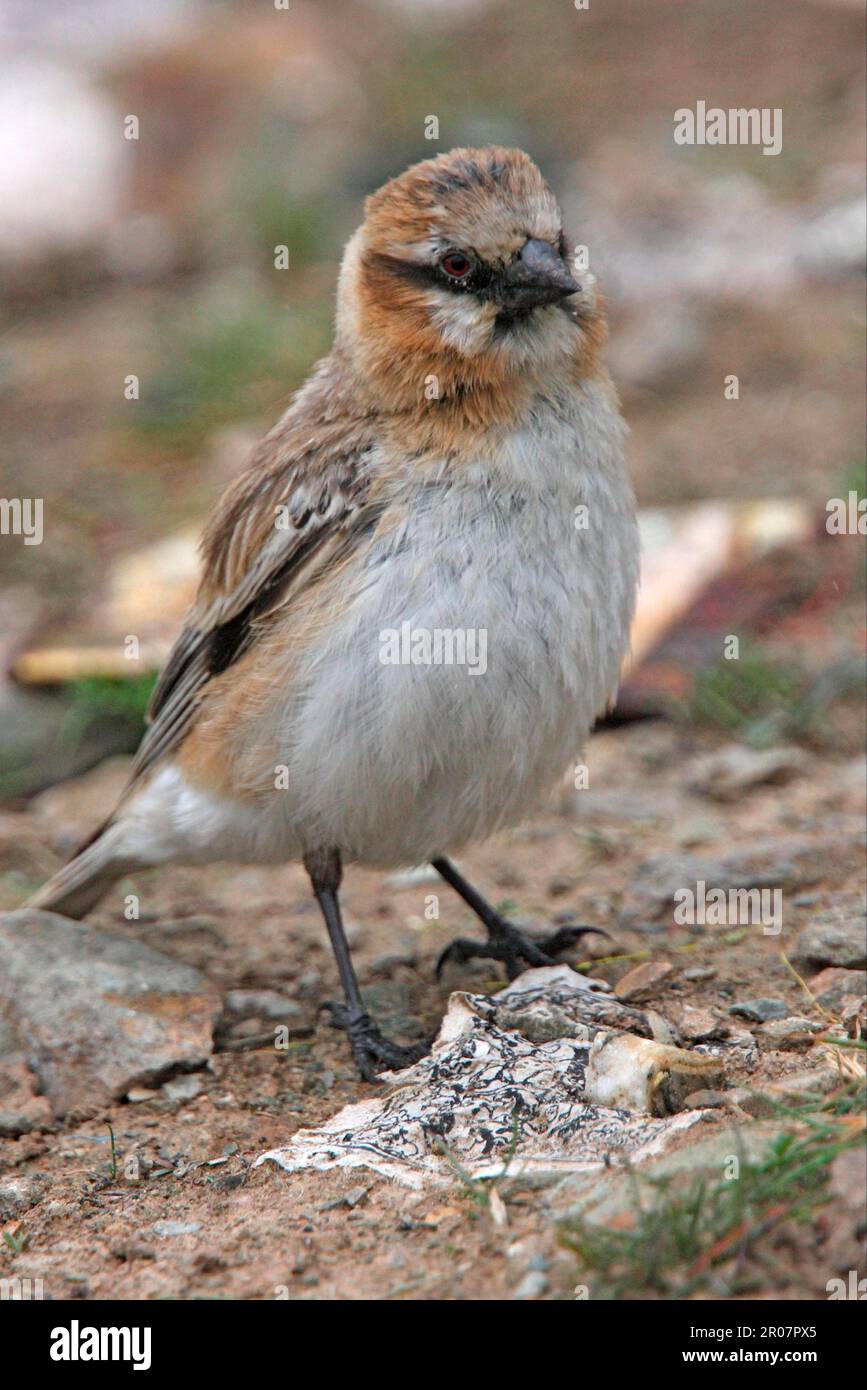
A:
(456, 265)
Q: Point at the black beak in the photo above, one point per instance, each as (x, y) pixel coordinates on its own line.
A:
(538, 276)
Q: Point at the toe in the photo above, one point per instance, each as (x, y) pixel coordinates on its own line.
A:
(461, 950)
(566, 937)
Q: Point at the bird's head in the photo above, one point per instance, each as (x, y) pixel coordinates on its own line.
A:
(462, 273)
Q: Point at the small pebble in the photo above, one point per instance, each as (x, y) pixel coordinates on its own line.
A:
(176, 1228)
(183, 1088)
(262, 1003)
(533, 1285)
(834, 943)
(760, 1010)
(642, 980)
(558, 887)
(137, 1094)
(790, 1033)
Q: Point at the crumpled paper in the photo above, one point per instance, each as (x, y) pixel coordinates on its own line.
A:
(491, 1100)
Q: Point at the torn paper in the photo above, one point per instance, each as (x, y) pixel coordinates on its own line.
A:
(491, 1099)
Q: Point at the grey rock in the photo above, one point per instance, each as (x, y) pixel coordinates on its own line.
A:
(262, 1003)
(791, 1090)
(727, 774)
(533, 1285)
(19, 1194)
(760, 1010)
(660, 1029)
(176, 1228)
(350, 1199)
(556, 1002)
(98, 1012)
(777, 863)
(789, 1034)
(182, 1088)
(834, 986)
(14, 1123)
(842, 943)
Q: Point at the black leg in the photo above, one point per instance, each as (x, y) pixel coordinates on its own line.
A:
(373, 1052)
(505, 943)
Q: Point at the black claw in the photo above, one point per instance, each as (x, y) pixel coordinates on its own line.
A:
(459, 951)
(512, 948)
(372, 1051)
(566, 937)
(515, 951)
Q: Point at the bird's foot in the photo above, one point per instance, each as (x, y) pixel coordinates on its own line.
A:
(516, 951)
(372, 1051)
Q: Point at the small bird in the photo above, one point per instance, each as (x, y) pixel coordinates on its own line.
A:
(416, 598)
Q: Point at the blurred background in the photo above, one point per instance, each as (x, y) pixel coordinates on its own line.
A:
(256, 126)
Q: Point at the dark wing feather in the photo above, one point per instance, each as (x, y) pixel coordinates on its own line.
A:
(253, 565)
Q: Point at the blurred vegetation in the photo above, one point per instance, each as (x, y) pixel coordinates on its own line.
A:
(96, 698)
(233, 360)
(763, 699)
(752, 695)
(855, 479)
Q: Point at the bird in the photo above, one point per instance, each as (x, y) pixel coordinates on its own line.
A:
(416, 597)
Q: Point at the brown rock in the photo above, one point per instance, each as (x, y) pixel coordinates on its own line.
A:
(696, 1024)
(641, 980)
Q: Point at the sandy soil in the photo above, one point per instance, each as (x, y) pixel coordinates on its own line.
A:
(259, 1234)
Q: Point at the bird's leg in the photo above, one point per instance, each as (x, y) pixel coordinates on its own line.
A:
(505, 943)
(373, 1053)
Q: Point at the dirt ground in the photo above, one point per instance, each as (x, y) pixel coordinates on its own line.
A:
(258, 1234)
(712, 263)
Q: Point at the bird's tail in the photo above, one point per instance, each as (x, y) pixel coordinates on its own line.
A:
(80, 884)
